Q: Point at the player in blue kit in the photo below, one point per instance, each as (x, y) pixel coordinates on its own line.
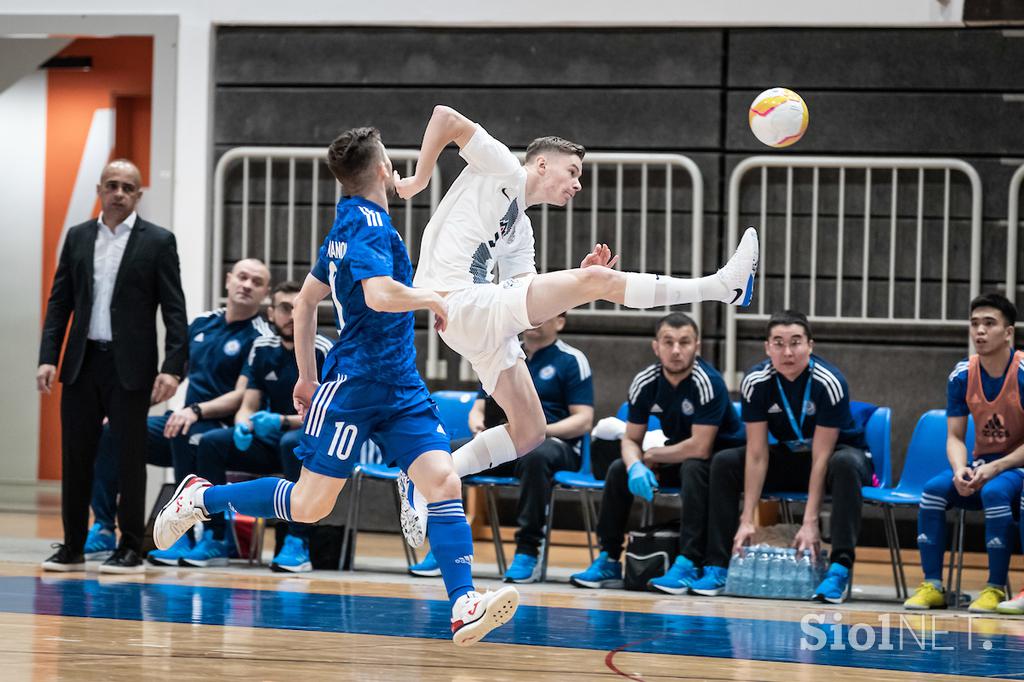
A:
(372, 391)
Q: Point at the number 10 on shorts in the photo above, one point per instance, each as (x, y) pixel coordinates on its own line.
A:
(344, 439)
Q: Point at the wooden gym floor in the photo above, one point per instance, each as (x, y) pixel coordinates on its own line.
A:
(377, 623)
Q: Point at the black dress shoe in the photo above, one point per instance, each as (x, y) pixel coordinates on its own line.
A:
(64, 560)
(123, 560)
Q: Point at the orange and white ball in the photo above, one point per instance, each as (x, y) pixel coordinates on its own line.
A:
(778, 117)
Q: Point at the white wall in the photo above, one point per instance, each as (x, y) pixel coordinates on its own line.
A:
(23, 148)
(186, 175)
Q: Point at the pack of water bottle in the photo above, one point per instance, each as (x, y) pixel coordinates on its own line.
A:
(774, 573)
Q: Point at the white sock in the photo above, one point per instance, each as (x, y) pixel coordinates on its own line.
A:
(652, 291)
(489, 449)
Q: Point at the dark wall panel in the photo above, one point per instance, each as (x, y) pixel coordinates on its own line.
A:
(500, 58)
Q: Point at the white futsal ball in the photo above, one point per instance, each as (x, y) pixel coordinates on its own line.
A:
(778, 117)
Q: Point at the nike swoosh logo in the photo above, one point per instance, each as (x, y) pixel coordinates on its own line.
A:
(738, 296)
(505, 193)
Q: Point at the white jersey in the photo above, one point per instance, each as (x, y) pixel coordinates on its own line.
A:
(480, 223)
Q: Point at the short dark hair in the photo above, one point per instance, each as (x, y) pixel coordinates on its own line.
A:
(352, 155)
(676, 320)
(786, 318)
(287, 287)
(554, 144)
(1000, 303)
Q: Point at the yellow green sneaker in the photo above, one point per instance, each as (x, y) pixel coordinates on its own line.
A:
(1012, 607)
(925, 597)
(988, 601)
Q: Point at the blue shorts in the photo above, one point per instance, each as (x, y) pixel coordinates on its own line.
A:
(402, 420)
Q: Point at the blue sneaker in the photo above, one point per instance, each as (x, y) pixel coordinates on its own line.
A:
(100, 543)
(171, 555)
(207, 552)
(712, 583)
(835, 588)
(427, 568)
(678, 578)
(603, 573)
(293, 557)
(524, 569)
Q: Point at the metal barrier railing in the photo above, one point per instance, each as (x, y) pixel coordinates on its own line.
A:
(1012, 226)
(765, 301)
(549, 227)
(436, 368)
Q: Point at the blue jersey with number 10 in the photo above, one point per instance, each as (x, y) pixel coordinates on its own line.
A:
(371, 345)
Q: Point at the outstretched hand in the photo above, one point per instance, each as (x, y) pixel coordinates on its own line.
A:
(601, 255)
(407, 188)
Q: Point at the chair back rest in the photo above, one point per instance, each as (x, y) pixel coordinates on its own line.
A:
(878, 432)
(585, 454)
(454, 407)
(926, 453)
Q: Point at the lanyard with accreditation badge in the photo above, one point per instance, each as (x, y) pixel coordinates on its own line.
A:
(801, 444)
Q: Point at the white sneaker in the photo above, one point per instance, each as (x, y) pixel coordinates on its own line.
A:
(475, 614)
(738, 274)
(180, 513)
(414, 511)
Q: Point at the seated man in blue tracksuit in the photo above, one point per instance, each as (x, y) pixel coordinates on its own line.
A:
(219, 343)
(264, 436)
(689, 397)
(565, 387)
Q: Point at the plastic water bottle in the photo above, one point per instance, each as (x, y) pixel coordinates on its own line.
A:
(776, 573)
(761, 575)
(805, 576)
(734, 577)
(744, 572)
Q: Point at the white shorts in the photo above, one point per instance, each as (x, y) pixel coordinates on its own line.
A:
(484, 323)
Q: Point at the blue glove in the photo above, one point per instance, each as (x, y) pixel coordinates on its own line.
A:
(265, 424)
(242, 437)
(642, 481)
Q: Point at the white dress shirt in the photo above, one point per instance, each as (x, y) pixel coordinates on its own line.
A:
(105, 262)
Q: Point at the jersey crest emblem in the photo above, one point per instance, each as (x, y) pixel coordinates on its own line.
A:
(232, 347)
(687, 407)
(810, 408)
(547, 373)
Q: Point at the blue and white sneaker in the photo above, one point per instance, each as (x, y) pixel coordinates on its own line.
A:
(208, 552)
(835, 588)
(603, 573)
(427, 568)
(524, 569)
(738, 273)
(100, 543)
(712, 583)
(293, 557)
(173, 554)
(413, 514)
(678, 578)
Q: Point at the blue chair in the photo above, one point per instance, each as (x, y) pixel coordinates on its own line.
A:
(926, 458)
(370, 466)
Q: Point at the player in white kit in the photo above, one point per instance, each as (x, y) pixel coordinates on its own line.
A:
(481, 224)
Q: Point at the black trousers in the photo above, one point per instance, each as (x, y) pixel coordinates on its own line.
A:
(848, 470)
(535, 471)
(95, 394)
(690, 475)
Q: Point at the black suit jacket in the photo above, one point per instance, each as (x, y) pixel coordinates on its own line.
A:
(149, 276)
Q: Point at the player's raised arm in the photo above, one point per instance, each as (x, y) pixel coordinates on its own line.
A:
(304, 314)
(445, 126)
(385, 295)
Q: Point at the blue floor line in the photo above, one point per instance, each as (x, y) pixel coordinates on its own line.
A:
(595, 629)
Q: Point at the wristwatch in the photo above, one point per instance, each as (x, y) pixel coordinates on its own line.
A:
(198, 410)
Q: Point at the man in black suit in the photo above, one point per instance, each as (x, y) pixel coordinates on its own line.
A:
(113, 273)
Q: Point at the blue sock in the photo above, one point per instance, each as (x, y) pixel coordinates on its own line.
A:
(267, 498)
(451, 541)
(998, 528)
(931, 536)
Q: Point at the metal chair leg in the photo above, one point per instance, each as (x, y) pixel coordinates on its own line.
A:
(960, 553)
(492, 512)
(893, 545)
(348, 544)
(546, 549)
(588, 522)
(891, 514)
(259, 528)
(410, 556)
